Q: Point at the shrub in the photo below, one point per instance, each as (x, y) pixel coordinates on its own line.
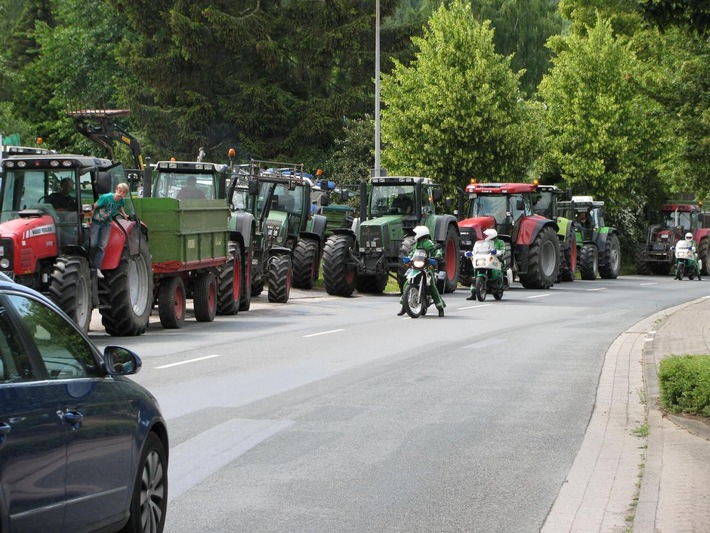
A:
(685, 384)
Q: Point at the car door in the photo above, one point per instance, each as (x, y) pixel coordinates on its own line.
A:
(32, 439)
(100, 419)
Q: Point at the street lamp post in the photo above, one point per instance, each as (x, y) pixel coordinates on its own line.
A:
(376, 170)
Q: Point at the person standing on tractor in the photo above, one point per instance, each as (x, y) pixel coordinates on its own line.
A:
(424, 241)
(492, 235)
(105, 208)
(694, 248)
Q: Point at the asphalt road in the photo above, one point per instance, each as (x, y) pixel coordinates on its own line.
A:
(331, 414)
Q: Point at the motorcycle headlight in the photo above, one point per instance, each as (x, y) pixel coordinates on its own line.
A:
(481, 262)
(418, 264)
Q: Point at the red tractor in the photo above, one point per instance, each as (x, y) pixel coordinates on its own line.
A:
(45, 201)
(509, 208)
(655, 256)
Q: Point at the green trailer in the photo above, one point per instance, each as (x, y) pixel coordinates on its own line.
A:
(189, 242)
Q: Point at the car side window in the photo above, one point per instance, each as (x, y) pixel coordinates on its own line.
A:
(15, 363)
(66, 354)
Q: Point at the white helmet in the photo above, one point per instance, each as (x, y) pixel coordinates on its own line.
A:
(490, 234)
(421, 231)
(688, 236)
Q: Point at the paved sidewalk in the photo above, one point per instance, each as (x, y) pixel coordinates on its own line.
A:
(672, 464)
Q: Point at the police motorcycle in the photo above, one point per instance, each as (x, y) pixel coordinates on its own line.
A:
(488, 269)
(418, 279)
(686, 261)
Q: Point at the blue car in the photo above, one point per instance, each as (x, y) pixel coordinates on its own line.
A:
(82, 447)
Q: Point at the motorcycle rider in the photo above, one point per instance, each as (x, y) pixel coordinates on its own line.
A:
(423, 241)
(694, 248)
(491, 235)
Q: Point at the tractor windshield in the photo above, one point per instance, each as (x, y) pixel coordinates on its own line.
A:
(489, 205)
(392, 199)
(184, 186)
(47, 190)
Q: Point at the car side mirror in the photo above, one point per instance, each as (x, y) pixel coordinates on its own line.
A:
(121, 361)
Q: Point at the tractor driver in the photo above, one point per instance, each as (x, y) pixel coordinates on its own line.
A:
(62, 200)
(403, 202)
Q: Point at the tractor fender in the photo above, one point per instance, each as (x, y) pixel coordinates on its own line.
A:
(123, 232)
(530, 227)
(349, 232)
(280, 250)
(442, 223)
(701, 233)
(241, 223)
(319, 225)
(603, 237)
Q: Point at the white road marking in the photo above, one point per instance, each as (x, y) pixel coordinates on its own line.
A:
(188, 361)
(649, 283)
(474, 306)
(597, 289)
(538, 296)
(323, 333)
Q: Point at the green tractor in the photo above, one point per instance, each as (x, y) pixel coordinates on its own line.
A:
(548, 202)
(599, 252)
(287, 238)
(363, 257)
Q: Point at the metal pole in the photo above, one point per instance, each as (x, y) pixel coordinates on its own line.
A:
(377, 88)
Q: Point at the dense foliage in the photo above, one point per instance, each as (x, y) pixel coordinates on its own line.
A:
(685, 384)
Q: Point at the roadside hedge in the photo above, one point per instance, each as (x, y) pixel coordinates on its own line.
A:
(685, 384)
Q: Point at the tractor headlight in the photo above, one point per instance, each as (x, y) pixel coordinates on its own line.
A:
(4, 263)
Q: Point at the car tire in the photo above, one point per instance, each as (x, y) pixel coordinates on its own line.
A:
(149, 500)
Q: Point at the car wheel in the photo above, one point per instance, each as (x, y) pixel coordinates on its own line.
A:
(150, 492)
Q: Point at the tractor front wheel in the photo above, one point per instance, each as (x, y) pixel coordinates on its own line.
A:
(70, 288)
(589, 262)
(543, 260)
(338, 275)
(611, 266)
(280, 272)
(230, 282)
(305, 263)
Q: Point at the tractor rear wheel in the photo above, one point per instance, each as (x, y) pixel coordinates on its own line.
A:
(305, 263)
(543, 260)
(130, 290)
(703, 256)
(204, 297)
(451, 258)
(279, 270)
(171, 302)
(589, 261)
(230, 282)
(70, 288)
(338, 275)
(245, 299)
(611, 266)
(568, 260)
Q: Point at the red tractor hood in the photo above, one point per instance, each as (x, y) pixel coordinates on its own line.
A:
(478, 224)
(26, 228)
(33, 239)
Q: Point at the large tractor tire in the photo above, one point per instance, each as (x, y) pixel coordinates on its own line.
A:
(204, 297)
(171, 302)
(70, 288)
(568, 260)
(610, 267)
(230, 282)
(257, 284)
(305, 264)
(543, 260)
(280, 272)
(246, 290)
(404, 250)
(589, 262)
(451, 258)
(130, 292)
(642, 266)
(703, 256)
(338, 276)
(371, 284)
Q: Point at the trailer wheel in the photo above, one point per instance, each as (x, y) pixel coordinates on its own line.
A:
(589, 262)
(204, 297)
(305, 263)
(70, 288)
(338, 275)
(279, 279)
(230, 282)
(171, 302)
(130, 293)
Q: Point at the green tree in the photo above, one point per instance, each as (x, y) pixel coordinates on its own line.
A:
(521, 29)
(456, 110)
(604, 135)
(353, 156)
